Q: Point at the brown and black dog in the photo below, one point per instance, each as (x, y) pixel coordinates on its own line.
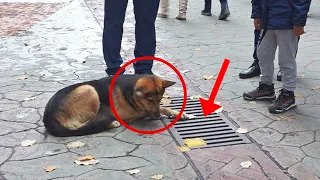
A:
(84, 108)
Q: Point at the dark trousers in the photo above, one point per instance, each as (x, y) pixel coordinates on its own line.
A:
(145, 15)
(256, 41)
(207, 4)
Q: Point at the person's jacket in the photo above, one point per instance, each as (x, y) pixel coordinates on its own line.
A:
(280, 14)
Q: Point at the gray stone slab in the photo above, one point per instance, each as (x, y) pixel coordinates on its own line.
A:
(5, 154)
(283, 157)
(310, 110)
(313, 164)
(299, 171)
(14, 127)
(297, 138)
(300, 123)
(266, 136)
(103, 174)
(21, 115)
(15, 139)
(20, 95)
(312, 150)
(39, 101)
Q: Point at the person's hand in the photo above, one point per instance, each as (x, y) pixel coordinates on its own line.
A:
(298, 30)
(257, 23)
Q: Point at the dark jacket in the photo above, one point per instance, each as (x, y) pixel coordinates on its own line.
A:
(280, 14)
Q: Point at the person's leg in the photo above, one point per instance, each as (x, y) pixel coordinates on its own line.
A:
(254, 69)
(288, 46)
(163, 8)
(266, 54)
(114, 16)
(225, 13)
(145, 15)
(207, 8)
(183, 5)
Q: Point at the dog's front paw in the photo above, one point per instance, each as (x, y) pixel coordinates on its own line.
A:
(184, 116)
(114, 124)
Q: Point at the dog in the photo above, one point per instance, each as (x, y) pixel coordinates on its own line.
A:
(83, 108)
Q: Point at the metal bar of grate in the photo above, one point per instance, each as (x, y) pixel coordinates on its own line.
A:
(215, 128)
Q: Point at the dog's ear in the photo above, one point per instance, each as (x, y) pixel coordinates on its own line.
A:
(166, 84)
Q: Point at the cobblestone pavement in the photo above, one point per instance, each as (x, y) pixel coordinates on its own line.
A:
(66, 48)
(201, 43)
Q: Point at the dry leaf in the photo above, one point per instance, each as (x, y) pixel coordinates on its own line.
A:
(29, 98)
(23, 77)
(86, 158)
(134, 171)
(242, 130)
(50, 168)
(184, 71)
(284, 118)
(207, 77)
(165, 101)
(183, 148)
(316, 88)
(301, 75)
(75, 144)
(86, 163)
(299, 96)
(253, 102)
(194, 142)
(197, 96)
(166, 96)
(198, 49)
(190, 116)
(157, 176)
(28, 143)
(246, 164)
(218, 110)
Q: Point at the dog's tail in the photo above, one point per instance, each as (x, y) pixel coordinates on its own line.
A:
(97, 124)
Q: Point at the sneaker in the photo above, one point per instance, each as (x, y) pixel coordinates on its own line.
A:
(252, 71)
(181, 17)
(284, 102)
(225, 13)
(206, 13)
(262, 92)
(279, 76)
(162, 15)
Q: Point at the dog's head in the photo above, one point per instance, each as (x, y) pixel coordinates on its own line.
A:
(148, 92)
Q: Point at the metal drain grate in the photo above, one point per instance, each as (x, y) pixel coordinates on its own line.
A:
(215, 129)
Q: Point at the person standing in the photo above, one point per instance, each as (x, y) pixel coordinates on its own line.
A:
(145, 12)
(182, 16)
(224, 14)
(282, 23)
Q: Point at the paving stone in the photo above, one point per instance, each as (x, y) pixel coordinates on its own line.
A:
(20, 95)
(294, 151)
(122, 163)
(300, 123)
(13, 127)
(210, 167)
(266, 136)
(309, 110)
(312, 149)
(104, 147)
(297, 138)
(39, 101)
(313, 164)
(318, 135)
(7, 104)
(185, 173)
(251, 174)
(43, 86)
(13, 87)
(15, 139)
(313, 99)
(29, 115)
(148, 171)
(299, 171)
(284, 158)
(234, 166)
(37, 151)
(148, 152)
(5, 154)
(221, 175)
(102, 174)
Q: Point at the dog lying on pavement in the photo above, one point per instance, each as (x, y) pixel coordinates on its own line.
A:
(84, 108)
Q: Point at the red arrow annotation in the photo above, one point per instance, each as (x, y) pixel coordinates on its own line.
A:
(208, 106)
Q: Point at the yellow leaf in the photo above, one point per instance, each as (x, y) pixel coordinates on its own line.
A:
(242, 130)
(86, 163)
(218, 110)
(197, 96)
(50, 168)
(284, 118)
(27, 143)
(246, 164)
(301, 75)
(316, 88)
(183, 148)
(157, 176)
(253, 102)
(198, 49)
(86, 158)
(299, 96)
(134, 171)
(166, 96)
(23, 77)
(165, 101)
(207, 77)
(75, 144)
(194, 142)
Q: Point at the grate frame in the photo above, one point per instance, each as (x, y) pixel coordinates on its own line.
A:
(215, 129)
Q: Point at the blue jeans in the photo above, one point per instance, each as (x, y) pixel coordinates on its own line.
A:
(207, 4)
(145, 15)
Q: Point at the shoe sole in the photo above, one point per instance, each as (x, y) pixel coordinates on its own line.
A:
(260, 98)
(224, 17)
(277, 111)
(206, 14)
(247, 77)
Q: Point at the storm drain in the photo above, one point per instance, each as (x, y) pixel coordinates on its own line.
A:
(215, 129)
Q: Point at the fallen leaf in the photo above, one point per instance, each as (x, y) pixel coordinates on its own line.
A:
(242, 130)
(246, 164)
(190, 116)
(184, 71)
(27, 143)
(165, 101)
(316, 88)
(86, 158)
(52, 152)
(23, 77)
(198, 49)
(194, 142)
(157, 176)
(183, 148)
(301, 75)
(50, 168)
(299, 96)
(29, 98)
(86, 163)
(75, 144)
(166, 96)
(196, 96)
(207, 77)
(218, 110)
(253, 102)
(284, 118)
(134, 171)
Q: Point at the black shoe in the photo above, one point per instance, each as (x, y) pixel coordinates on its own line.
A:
(252, 71)
(284, 102)
(206, 13)
(262, 92)
(225, 13)
(279, 76)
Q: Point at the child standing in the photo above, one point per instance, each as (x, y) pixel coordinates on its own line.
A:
(282, 22)
(182, 9)
(224, 9)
